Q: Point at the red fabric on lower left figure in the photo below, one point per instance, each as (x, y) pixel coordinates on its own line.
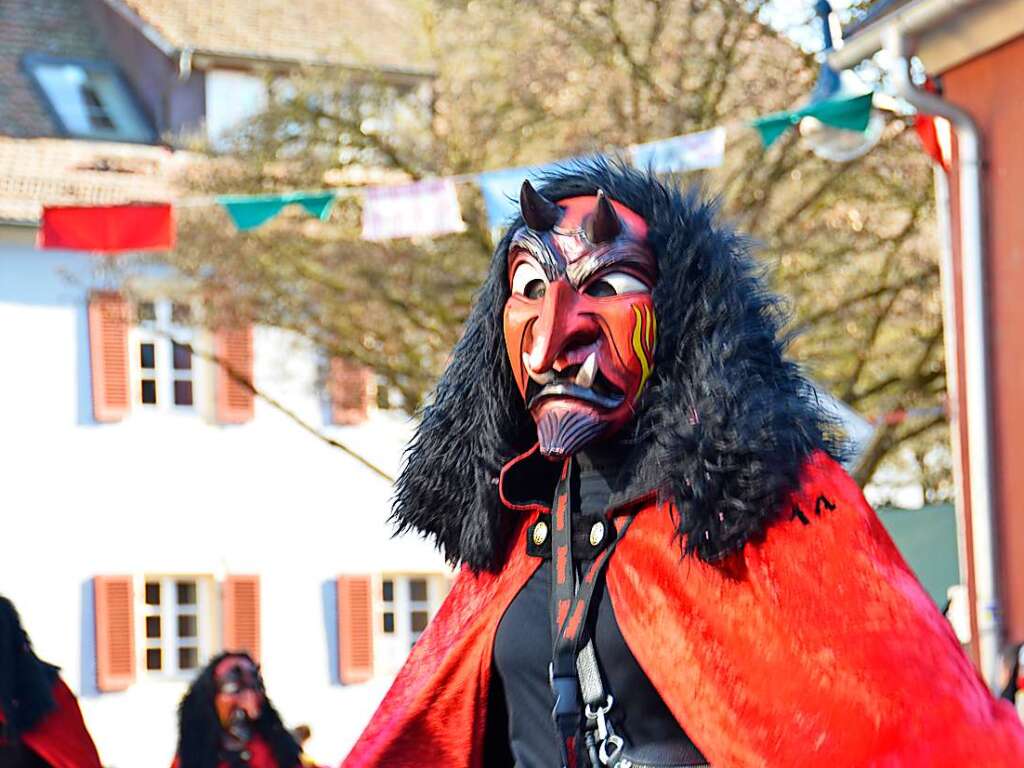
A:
(39, 716)
(61, 738)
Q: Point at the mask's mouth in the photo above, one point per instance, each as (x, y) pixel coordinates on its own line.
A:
(581, 382)
(239, 728)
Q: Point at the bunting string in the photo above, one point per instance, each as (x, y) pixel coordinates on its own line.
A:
(425, 208)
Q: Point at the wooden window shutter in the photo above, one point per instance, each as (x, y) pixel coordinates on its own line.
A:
(233, 348)
(108, 355)
(241, 604)
(355, 628)
(113, 608)
(352, 389)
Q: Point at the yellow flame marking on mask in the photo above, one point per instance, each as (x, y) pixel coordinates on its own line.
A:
(641, 354)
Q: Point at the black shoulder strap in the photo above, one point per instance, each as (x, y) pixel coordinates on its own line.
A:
(570, 606)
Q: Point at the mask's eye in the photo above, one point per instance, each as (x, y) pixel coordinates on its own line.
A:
(529, 281)
(615, 284)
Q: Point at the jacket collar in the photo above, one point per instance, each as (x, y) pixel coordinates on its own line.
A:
(527, 482)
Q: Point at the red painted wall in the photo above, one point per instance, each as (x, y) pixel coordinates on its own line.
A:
(990, 88)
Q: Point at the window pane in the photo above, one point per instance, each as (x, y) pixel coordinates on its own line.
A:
(181, 314)
(387, 591)
(153, 627)
(154, 659)
(182, 356)
(146, 311)
(389, 622)
(418, 590)
(91, 101)
(149, 391)
(186, 592)
(188, 658)
(152, 593)
(419, 620)
(182, 392)
(188, 626)
(147, 355)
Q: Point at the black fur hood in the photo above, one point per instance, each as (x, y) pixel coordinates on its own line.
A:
(26, 682)
(724, 424)
(199, 730)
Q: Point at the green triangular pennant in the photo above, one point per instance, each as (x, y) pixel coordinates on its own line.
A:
(851, 113)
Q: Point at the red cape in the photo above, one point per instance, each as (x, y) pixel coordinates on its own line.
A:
(262, 757)
(61, 738)
(815, 646)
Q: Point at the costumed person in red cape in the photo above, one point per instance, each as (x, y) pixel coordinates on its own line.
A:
(225, 720)
(662, 564)
(41, 725)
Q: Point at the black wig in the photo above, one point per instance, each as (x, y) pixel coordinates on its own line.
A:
(199, 730)
(723, 427)
(26, 682)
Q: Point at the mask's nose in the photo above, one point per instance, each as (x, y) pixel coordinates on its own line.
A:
(250, 703)
(561, 327)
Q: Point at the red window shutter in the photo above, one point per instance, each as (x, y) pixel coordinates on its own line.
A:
(355, 628)
(233, 347)
(114, 613)
(352, 389)
(108, 355)
(241, 604)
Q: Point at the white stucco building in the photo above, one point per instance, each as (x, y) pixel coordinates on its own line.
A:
(152, 511)
(178, 506)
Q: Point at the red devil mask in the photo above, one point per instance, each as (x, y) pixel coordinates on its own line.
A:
(579, 324)
(239, 697)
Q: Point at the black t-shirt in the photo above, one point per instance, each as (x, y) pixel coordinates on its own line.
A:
(520, 730)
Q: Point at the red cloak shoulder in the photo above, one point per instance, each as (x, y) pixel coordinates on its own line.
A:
(436, 710)
(61, 738)
(814, 646)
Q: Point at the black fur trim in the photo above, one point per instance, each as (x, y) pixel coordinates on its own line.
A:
(26, 682)
(199, 730)
(725, 423)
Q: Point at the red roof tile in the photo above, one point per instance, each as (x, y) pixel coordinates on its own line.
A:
(372, 34)
(34, 172)
(57, 27)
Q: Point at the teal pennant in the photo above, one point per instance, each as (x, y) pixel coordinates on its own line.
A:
(251, 211)
(849, 113)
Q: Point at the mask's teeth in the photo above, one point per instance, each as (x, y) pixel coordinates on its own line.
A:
(541, 378)
(585, 376)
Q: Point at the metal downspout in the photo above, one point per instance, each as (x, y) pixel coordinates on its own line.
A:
(979, 441)
(949, 336)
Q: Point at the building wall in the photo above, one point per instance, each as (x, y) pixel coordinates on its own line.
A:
(172, 493)
(988, 88)
(174, 104)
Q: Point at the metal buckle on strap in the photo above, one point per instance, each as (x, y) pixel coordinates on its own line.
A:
(606, 757)
(609, 743)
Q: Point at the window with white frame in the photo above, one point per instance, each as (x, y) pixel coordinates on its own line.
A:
(406, 604)
(176, 624)
(161, 356)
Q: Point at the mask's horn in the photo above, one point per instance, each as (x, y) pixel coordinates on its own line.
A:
(539, 213)
(603, 224)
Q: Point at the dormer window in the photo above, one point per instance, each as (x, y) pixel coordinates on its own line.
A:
(89, 99)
